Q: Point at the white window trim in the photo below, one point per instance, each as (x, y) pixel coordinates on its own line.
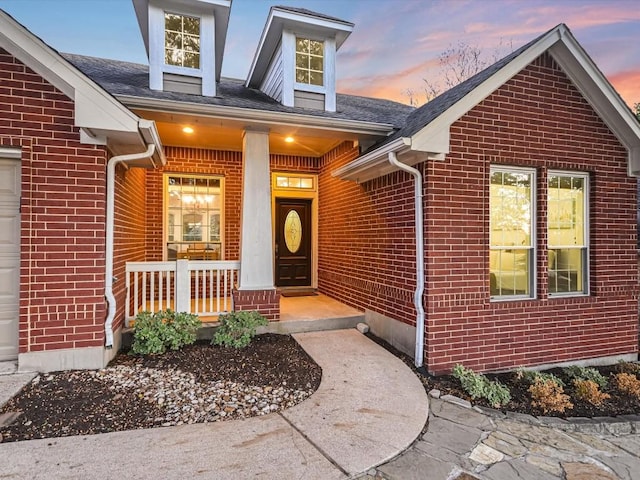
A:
(533, 267)
(165, 209)
(586, 263)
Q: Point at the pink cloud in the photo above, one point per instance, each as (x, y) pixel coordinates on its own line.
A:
(627, 84)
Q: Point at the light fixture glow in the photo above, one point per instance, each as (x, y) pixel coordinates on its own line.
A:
(187, 130)
(289, 139)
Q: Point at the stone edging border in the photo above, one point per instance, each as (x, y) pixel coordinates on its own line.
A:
(622, 425)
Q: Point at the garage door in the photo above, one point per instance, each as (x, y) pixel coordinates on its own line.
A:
(9, 256)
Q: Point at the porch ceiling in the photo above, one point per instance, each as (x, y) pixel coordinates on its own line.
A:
(226, 134)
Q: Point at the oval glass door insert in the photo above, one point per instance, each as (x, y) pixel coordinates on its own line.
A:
(293, 231)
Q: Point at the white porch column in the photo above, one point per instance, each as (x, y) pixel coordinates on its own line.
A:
(256, 239)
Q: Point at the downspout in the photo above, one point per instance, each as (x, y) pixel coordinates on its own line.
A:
(111, 186)
(417, 298)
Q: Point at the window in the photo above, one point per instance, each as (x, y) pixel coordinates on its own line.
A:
(294, 181)
(181, 40)
(194, 220)
(512, 237)
(567, 228)
(309, 61)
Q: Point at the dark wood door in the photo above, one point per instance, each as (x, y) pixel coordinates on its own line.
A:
(293, 242)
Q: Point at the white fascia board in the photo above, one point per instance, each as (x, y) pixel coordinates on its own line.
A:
(267, 33)
(258, 116)
(372, 161)
(94, 107)
(434, 137)
(601, 95)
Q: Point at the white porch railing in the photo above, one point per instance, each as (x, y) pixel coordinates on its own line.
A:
(200, 287)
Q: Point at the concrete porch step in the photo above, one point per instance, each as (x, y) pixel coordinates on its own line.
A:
(205, 332)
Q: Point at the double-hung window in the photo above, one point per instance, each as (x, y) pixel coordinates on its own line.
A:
(309, 61)
(181, 40)
(567, 228)
(512, 239)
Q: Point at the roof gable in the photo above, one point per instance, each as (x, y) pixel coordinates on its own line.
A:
(101, 118)
(427, 128)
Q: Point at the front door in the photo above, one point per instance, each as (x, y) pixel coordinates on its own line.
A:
(293, 242)
(9, 257)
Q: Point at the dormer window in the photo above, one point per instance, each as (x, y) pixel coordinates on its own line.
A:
(295, 63)
(181, 40)
(309, 61)
(184, 40)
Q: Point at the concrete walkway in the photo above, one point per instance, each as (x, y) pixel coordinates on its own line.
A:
(369, 408)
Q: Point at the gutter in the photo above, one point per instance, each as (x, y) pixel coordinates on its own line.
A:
(264, 116)
(109, 279)
(417, 298)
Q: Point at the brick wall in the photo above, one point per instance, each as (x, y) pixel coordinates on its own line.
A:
(537, 119)
(267, 302)
(129, 230)
(62, 214)
(366, 239)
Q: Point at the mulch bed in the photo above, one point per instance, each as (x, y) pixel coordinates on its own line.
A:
(618, 404)
(83, 402)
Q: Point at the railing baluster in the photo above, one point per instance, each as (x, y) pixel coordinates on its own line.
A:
(155, 285)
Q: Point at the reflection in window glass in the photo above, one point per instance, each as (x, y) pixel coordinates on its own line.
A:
(181, 40)
(193, 213)
(511, 239)
(567, 233)
(309, 61)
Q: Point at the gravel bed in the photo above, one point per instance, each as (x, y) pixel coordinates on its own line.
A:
(201, 383)
(186, 400)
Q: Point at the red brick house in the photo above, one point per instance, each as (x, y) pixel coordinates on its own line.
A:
(494, 226)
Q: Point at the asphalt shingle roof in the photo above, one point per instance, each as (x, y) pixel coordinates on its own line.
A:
(304, 11)
(132, 79)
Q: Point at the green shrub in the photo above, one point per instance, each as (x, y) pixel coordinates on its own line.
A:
(575, 372)
(479, 386)
(238, 328)
(530, 377)
(154, 333)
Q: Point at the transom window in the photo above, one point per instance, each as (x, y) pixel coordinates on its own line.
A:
(181, 40)
(294, 181)
(309, 61)
(194, 217)
(512, 237)
(567, 227)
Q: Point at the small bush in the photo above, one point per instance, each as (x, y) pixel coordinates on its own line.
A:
(628, 367)
(530, 377)
(154, 333)
(628, 384)
(479, 386)
(581, 373)
(589, 391)
(548, 396)
(238, 328)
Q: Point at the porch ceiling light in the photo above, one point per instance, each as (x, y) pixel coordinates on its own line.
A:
(187, 129)
(289, 139)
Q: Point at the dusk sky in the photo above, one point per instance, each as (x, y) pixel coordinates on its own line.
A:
(395, 43)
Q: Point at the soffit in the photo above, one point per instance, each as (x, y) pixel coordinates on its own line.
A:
(224, 134)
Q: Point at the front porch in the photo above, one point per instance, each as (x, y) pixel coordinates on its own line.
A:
(205, 288)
